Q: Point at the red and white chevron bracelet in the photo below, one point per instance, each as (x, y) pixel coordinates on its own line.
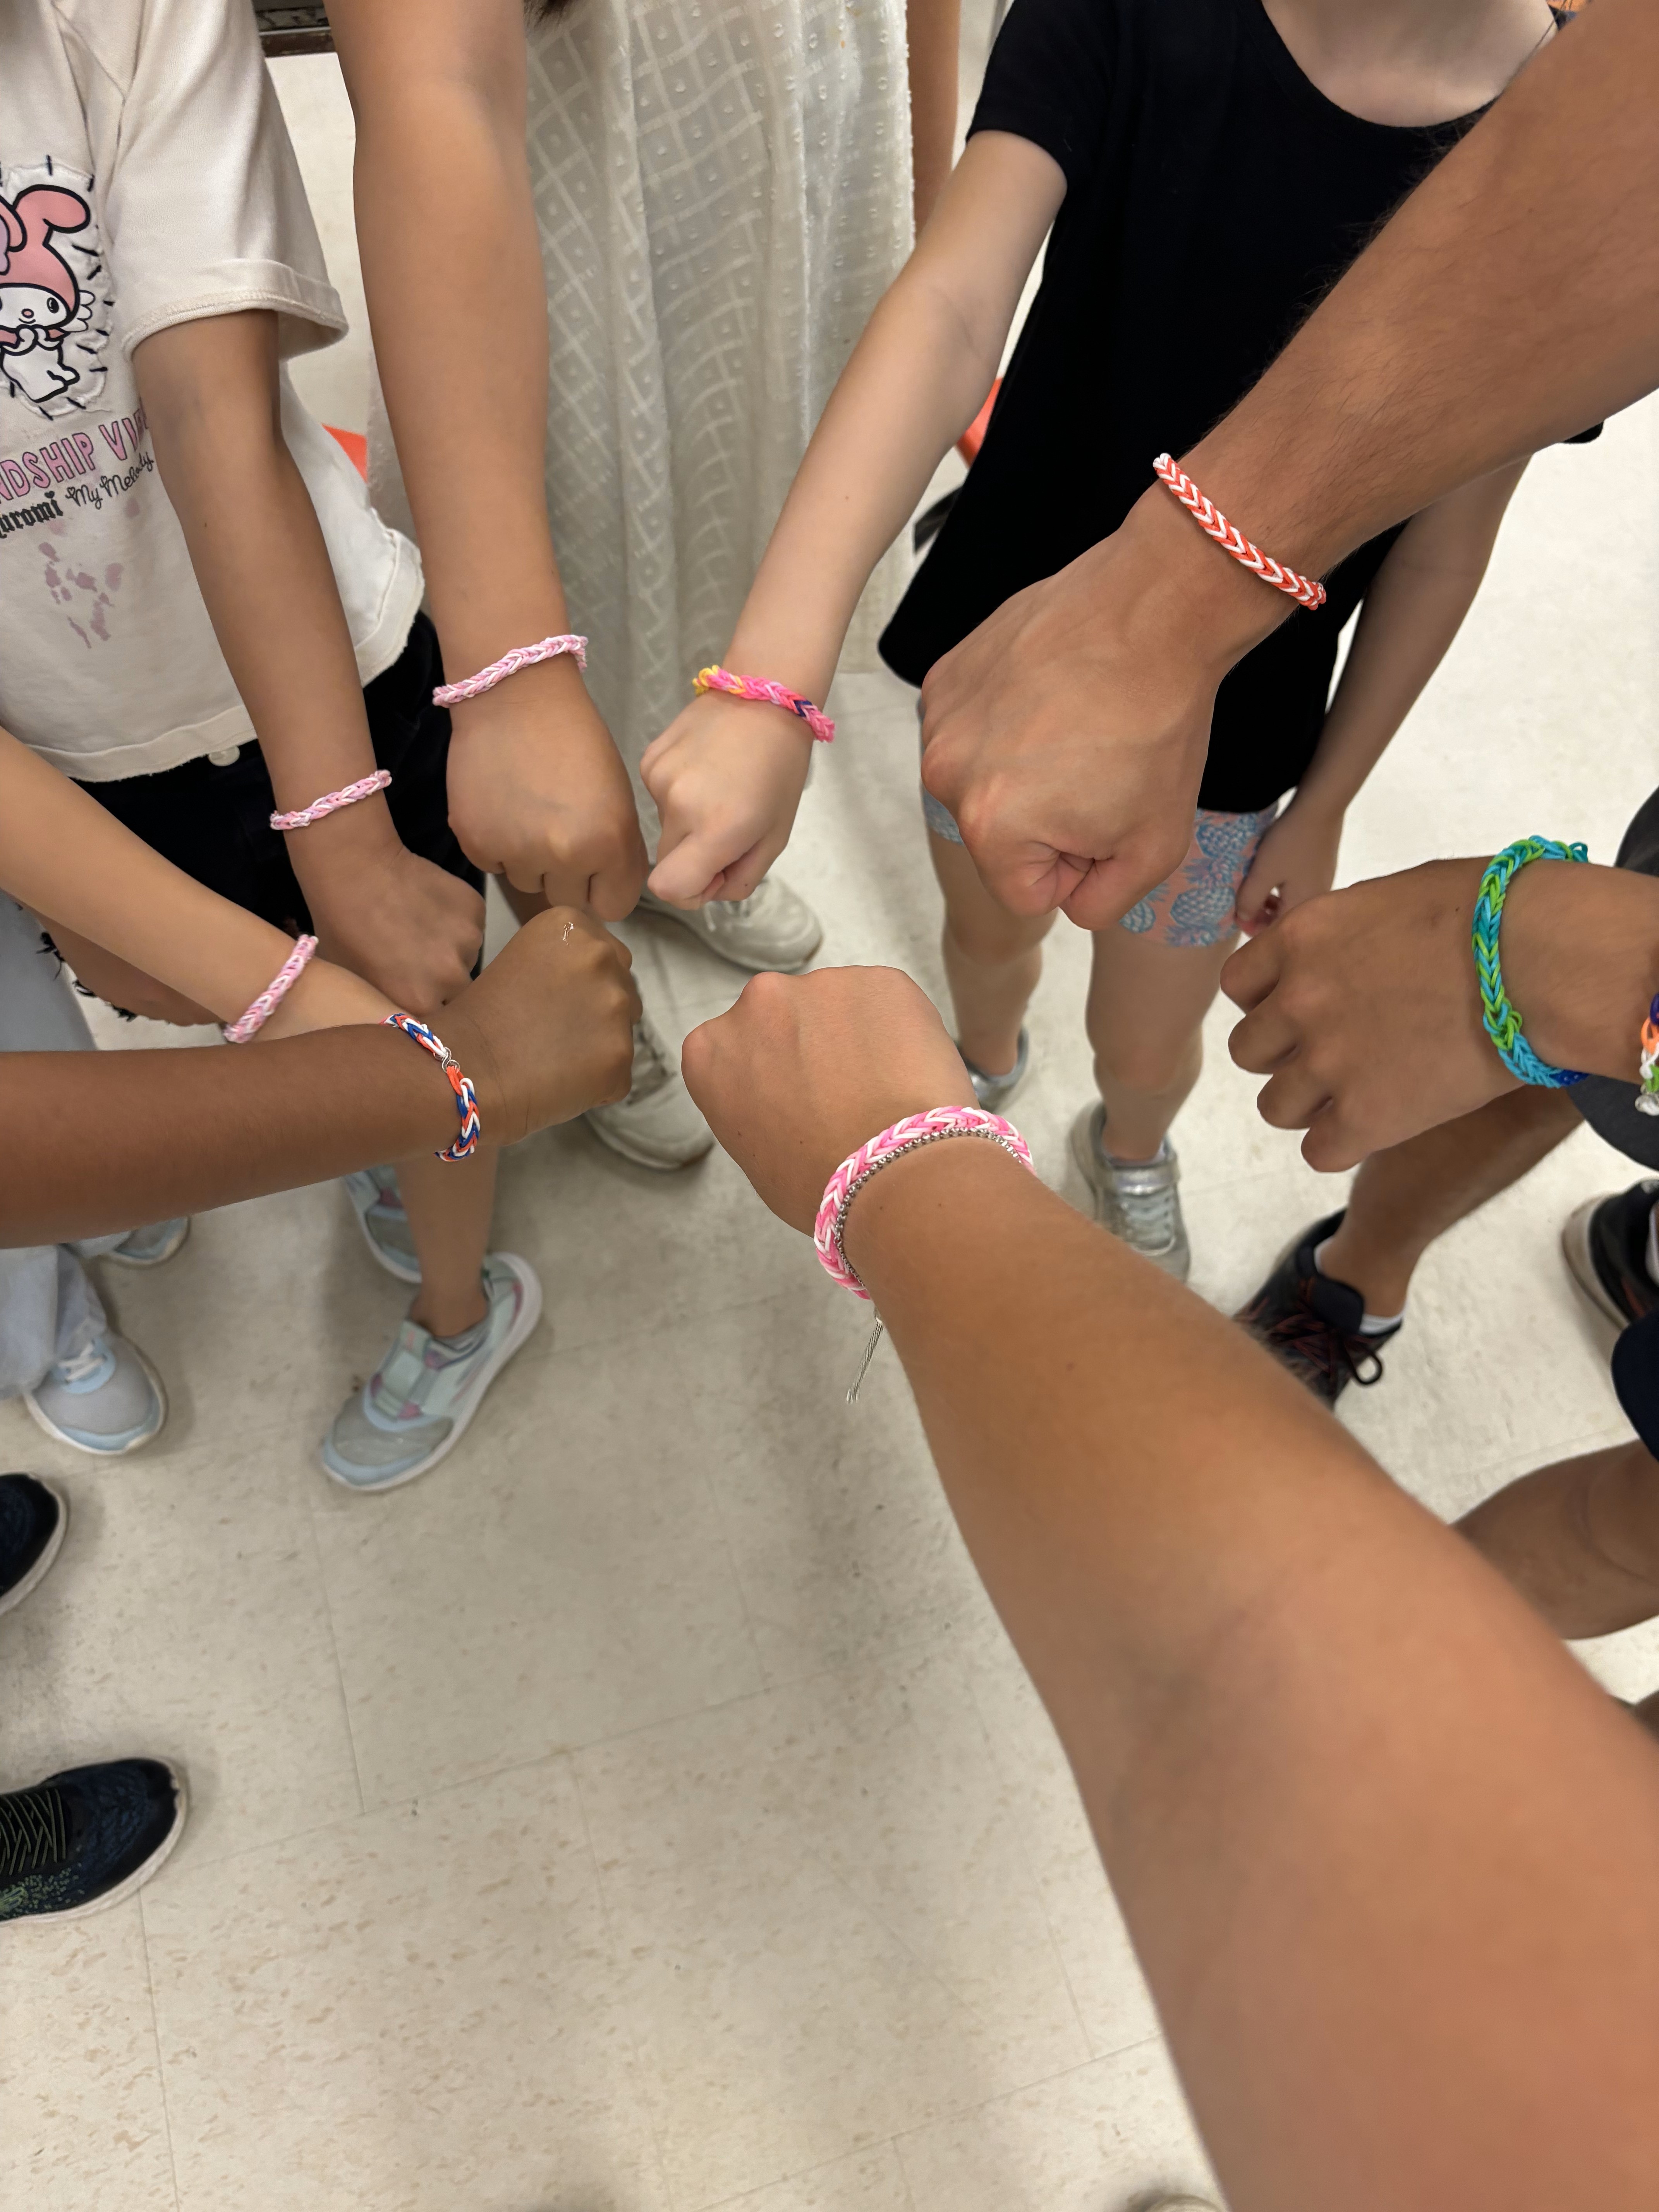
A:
(1306, 591)
(881, 1151)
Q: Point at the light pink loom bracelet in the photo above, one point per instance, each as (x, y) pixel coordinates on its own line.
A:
(770, 695)
(250, 1023)
(904, 1136)
(332, 801)
(522, 656)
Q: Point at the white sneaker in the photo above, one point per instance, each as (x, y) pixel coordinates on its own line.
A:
(379, 1206)
(1137, 1201)
(106, 1400)
(772, 931)
(150, 1246)
(656, 1126)
(419, 1403)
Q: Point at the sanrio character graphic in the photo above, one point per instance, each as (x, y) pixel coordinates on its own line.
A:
(39, 295)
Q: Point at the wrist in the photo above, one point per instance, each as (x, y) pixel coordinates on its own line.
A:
(1580, 952)
(899, 1215)
(551, 688)
(1179, 595)
(333, 850)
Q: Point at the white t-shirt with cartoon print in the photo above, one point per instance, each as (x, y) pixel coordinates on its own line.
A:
(146, 178)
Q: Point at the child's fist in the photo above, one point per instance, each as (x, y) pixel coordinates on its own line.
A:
(727, 775)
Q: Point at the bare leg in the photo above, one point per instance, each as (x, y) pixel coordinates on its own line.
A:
(1147, 1006)
(1404, 1198)
(992, 959)
(449, 1204)
(1579, 1539)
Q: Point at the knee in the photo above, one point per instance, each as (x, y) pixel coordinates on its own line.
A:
(1149, 1063)
(993, 938)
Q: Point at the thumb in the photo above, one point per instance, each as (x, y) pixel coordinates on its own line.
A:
(692, 869)
(1254, 894)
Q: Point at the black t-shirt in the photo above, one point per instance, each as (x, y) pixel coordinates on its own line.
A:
(1214, 195)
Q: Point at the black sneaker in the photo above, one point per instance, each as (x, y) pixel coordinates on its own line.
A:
(1606, 1247)
(1311, 1322)
(33, 1519)
(87, 1838)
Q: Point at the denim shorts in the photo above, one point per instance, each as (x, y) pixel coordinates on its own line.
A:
(1195, 906)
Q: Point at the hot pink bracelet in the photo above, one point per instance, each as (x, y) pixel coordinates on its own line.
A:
(250, 1023)
(770, 694)
(881, 1151)
(1306, 591)
(332, 801)
(522, 656)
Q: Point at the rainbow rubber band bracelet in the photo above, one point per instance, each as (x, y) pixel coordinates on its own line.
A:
(466, 1099)
(716, 678)
(1647, 1067)
(1306, 591)
(1498, 1016)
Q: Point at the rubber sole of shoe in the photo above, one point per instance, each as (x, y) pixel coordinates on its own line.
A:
(155, 1258)
(1581, 1264)
(529, 1314)
(687, 922)
(103, 1452)
(613, 1142)
(37, 1573)
(140, 1875)
(1179, 1264)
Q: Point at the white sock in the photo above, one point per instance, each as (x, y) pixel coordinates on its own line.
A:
(1652, 1260)
(1371, 1324)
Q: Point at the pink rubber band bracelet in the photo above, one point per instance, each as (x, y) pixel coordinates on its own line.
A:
(250, 1023)
(522, 656)
(881, 1151)
(332, 801)
(769, 694)
(1306, 591)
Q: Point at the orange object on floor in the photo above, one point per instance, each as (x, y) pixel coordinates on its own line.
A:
(356, 447)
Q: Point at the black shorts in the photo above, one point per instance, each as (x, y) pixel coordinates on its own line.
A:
(215, 822)
(1609, 1106)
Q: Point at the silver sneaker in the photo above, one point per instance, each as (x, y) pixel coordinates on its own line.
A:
(772, 931)
(379, 1206)
(107, 1399)
(993, 1092)
(656, 1126)
(150, 1246)
(1137, 1203)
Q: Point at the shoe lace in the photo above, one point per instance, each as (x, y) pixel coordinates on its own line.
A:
(34, 1831)
(1331, 1352)
(651, 1068)
(82, 1366)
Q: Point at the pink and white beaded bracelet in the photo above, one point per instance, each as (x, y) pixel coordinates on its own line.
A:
(522, 656)
(916, 1129)
(1306, 591)
(716, 678)
(332, 801)
(250, 1023)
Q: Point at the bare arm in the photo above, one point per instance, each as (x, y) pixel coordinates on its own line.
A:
(1386, 1855)
(934, 29)
(459, 306)
(1512, 301)
(1413, 609)
(102, 1139)
(210, 389)
(727, 775)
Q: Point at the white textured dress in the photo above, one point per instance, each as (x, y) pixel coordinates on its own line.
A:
(723, 191)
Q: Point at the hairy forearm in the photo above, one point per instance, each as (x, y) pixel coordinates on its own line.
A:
(101, 1141)
(462, 354)
(1512, 301)
(1245, 1636)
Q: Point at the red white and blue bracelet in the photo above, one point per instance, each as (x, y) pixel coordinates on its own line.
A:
(466, 1099)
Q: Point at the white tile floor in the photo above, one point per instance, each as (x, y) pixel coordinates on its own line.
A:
(645, 1814)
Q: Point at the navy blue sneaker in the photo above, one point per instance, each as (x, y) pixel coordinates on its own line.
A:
(1311, 1323)
(87, 1838)
(33, 1519)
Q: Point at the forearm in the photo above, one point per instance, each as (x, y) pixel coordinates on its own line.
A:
(1580, 951)
(933, 29)
(1394, 1963)
(464, 371)
(916, 379)
(100, 1141)
(1512, 301)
